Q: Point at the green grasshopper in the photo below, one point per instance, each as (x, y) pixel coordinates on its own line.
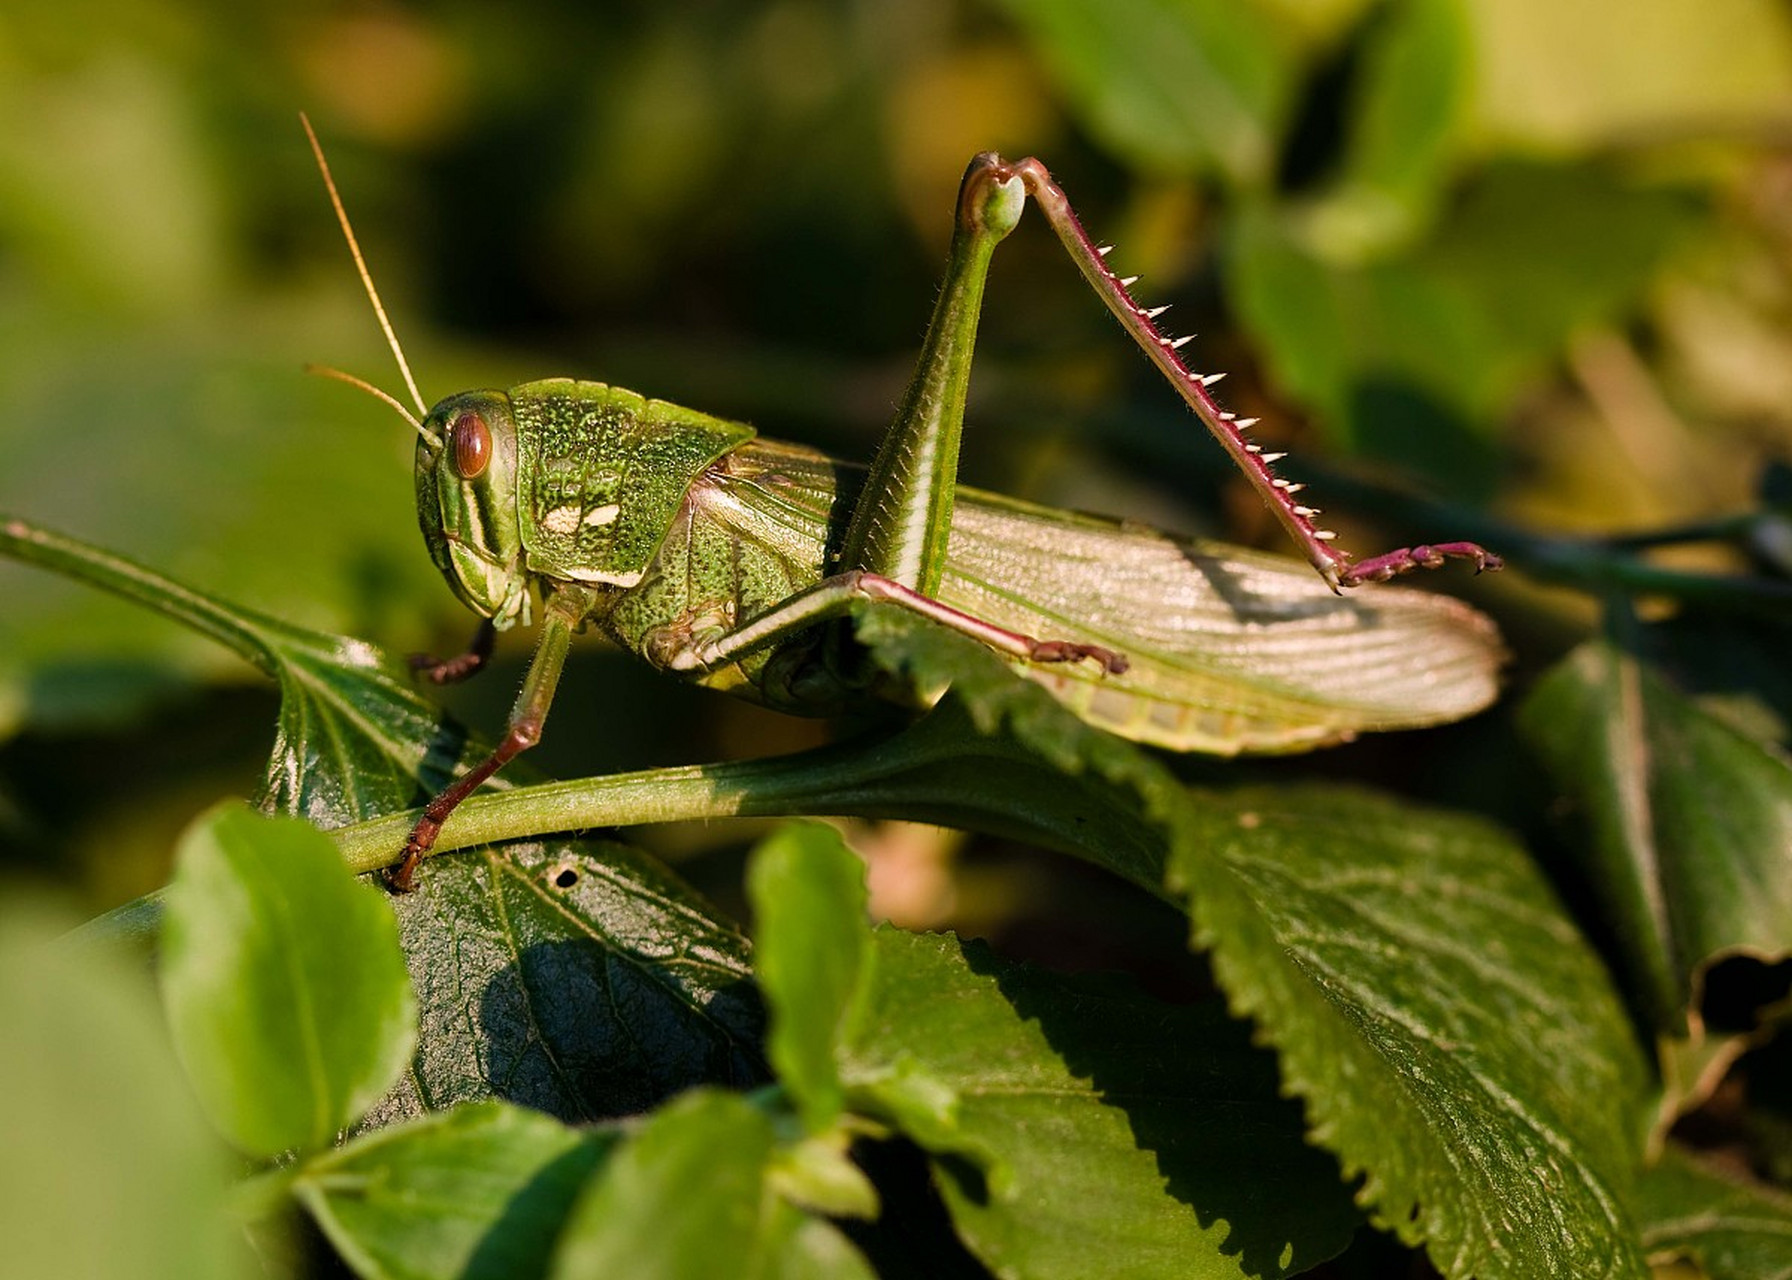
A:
(722, 557)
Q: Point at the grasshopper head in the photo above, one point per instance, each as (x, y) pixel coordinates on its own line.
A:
(467, 503)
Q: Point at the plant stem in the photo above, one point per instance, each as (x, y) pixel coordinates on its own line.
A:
(922, 771)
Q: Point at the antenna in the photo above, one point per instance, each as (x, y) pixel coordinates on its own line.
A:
(325, 371)
(373, 296)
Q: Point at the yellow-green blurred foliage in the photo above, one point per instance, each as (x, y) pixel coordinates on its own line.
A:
(1534, 253)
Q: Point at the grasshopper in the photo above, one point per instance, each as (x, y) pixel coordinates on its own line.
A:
(728, 559)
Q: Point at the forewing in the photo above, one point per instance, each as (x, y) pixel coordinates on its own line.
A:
(1230, 650)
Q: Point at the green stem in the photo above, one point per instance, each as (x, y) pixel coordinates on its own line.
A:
(207, 615)
(1734, 528)
(935, 769)
(924, 772)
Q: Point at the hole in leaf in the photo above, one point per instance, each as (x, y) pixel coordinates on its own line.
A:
(566, 877)
(1739, 990)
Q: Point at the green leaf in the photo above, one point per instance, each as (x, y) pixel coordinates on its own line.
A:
(688, 1193)
(479, 1193)
(1690, 821)
(1549, 249)
(1731, 1229)
(1001, 754)
(812, 948)
(109, 1169)
(1415, 357)
(1735, 673)
(1410, 105)
(586, 983)
(1105, 1123)
(818, 1174)
(1414, 90)
(1456, 1041)
(353, 735)
(578, 978)
(284, 985)
(1178, 86)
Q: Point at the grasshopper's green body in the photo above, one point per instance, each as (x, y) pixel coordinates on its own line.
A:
(1229, 650)
(721, 557)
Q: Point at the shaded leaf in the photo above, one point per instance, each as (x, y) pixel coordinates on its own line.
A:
(1172, 85)
(1737, 674)
(689, 1190)
(109, 1168)
(477, 1194)
(578, 978)
(1455, 1039)
(1084, 1121)
(812, 950)
(1690, 822)
(1414, 357)
(353, 736)
(284, 986)
(1405, 130)
(1732, 1230)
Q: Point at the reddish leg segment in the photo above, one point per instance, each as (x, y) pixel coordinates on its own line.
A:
(565, 609)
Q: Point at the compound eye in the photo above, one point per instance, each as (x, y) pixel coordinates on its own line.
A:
(472, 441)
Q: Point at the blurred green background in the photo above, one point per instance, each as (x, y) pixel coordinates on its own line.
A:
(1530, 255)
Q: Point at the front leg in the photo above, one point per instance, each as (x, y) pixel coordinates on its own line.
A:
(565, 610)
(463, 666)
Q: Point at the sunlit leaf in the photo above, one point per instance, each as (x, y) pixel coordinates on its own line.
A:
(1405, 131)
(689, 1189)
(285, 989)
(808, 895)
(1077, 1120)
(1606, 71)
(1413, 357)
(1495, 1088)
(1176, 85)
(109, 1168)
(479, 1193)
